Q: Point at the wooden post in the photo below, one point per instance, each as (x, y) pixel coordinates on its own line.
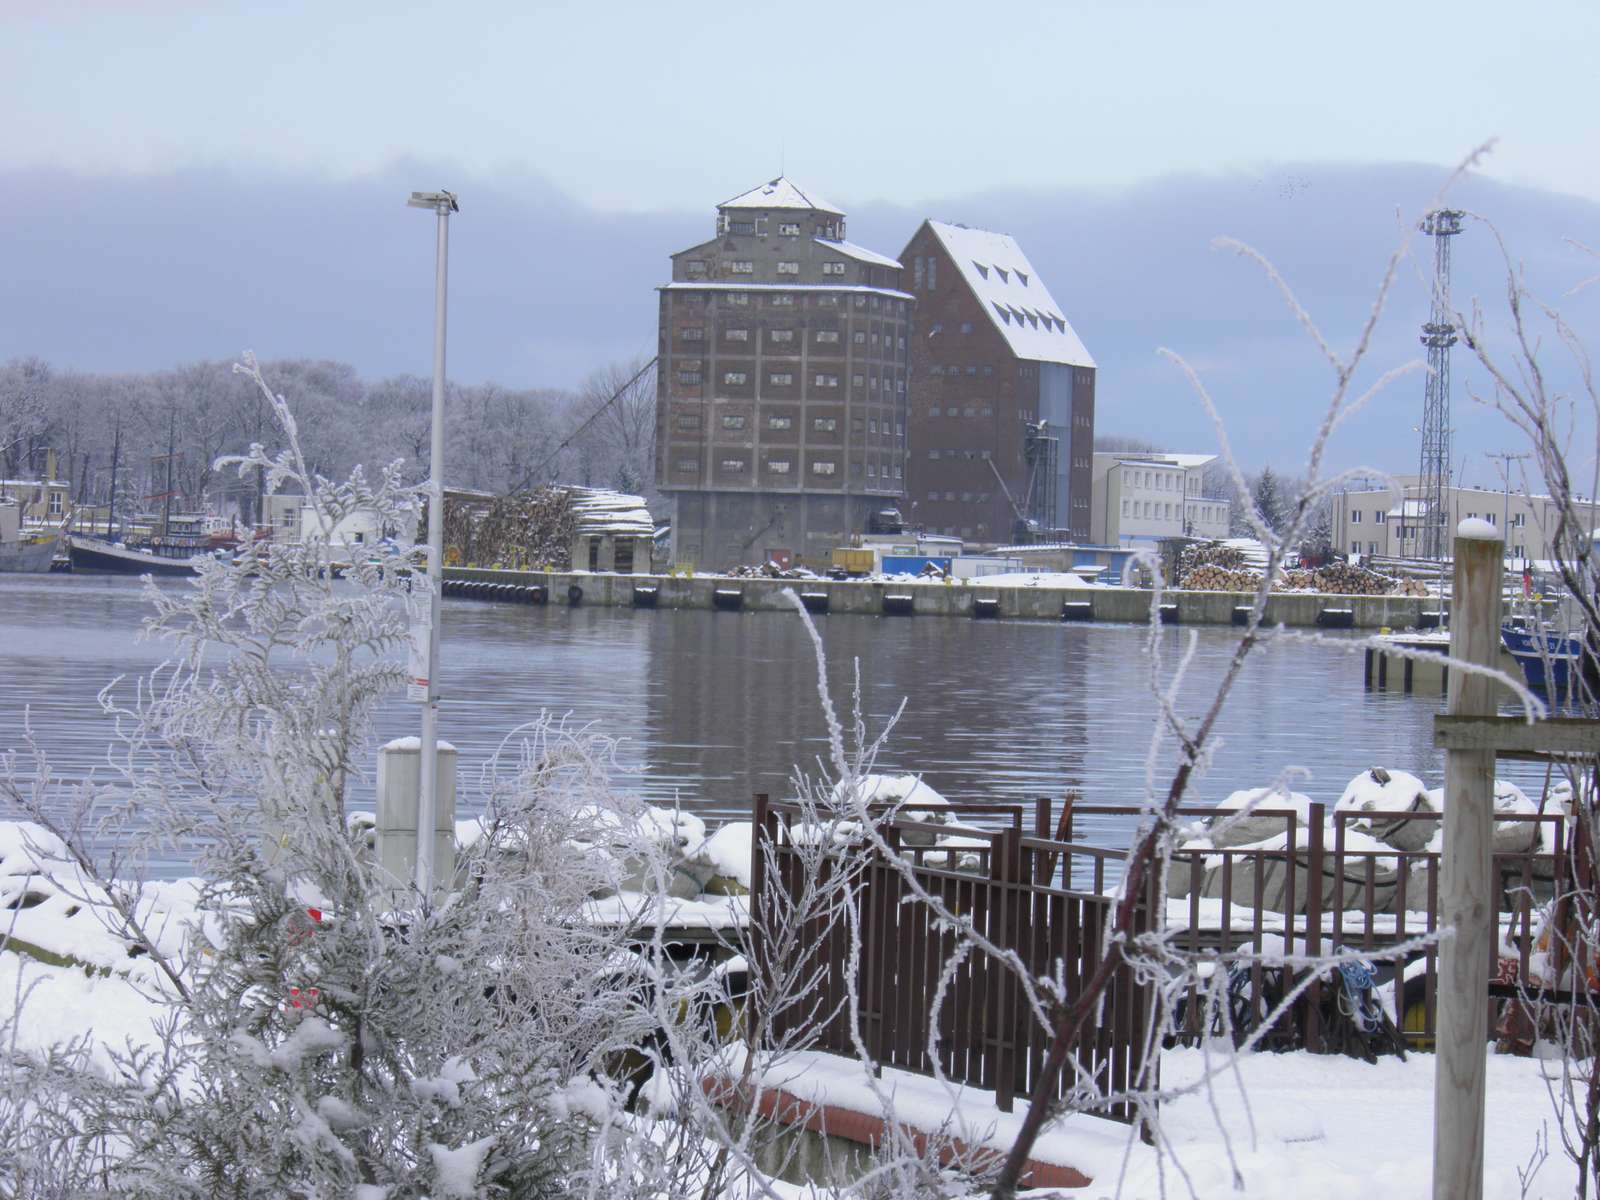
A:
(1466, 900)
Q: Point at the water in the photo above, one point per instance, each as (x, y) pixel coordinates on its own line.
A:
(713, 707)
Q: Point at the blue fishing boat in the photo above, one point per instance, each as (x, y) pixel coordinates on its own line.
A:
(1536, 652)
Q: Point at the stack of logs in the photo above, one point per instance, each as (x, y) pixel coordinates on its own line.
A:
(523, 530)
(1213, 567)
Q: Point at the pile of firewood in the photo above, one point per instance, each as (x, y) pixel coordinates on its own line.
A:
(1213, 567)
(1341, 579)
(526, 529)
(1210, 578)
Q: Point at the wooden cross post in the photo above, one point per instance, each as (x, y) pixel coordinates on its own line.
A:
(1467, 904)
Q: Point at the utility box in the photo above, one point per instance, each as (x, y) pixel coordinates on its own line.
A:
(399, 796)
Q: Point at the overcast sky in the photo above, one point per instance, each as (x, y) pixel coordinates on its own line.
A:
(185, 179)
(657, 105)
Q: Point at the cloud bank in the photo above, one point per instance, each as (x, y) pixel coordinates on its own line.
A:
(138, 271)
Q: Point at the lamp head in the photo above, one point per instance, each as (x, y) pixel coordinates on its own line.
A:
(440, 201)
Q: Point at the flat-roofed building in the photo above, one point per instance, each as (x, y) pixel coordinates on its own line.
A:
(781, 385)
(1149, 496)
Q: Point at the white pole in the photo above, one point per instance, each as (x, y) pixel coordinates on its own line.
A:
(1467, 902)
(428, 801)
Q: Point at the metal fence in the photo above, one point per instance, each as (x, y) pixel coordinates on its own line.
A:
(923, 998)
(1309, 890)
(1327, 887)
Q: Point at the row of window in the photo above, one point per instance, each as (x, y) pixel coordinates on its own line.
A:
(783, 466)
(822, 379)
(967, 497)
(971, 410)
(787, 300)
(1518, 520)
(690, 423)
(978, 454)
(825, 337)
(1156, 481)
(1161, 511)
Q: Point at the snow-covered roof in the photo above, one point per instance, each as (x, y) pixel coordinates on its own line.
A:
(1013, 295)
(1408, 508)
(600, 510)
(860, 253)
(1155, 458)
(780, 193)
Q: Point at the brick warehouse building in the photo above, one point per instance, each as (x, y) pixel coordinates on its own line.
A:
(1002, 421)
(781, 384)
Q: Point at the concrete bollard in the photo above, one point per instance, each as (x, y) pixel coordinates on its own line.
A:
(399, 790)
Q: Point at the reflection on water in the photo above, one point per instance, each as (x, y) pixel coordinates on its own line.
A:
(713, 707)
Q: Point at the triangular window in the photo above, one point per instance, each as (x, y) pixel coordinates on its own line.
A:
(982, 270)
(1005, 276)
(1001, 309)
(1022, 278)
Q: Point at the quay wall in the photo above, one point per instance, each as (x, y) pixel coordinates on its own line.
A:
(958, 599)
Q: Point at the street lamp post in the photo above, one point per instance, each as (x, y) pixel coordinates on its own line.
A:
(443, 203)
(1505, 472)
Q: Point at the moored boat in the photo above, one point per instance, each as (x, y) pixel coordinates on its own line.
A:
(1547, 659)
(25, 557)
(93, 555)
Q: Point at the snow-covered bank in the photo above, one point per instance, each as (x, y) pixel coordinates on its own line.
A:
(1329, 1128)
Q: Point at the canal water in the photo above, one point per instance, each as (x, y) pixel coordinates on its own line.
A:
(712, 707)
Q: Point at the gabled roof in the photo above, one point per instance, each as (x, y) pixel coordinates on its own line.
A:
(1012, 294)
(859, 253)
(780, 193)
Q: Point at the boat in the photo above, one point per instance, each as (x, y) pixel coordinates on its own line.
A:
(29, 557)
(98, 557)
(1547, 659)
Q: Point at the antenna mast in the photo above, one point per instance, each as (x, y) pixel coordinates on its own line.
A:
(1438, 335)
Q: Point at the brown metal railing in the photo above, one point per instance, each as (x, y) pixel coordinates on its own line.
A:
(926, 997)
(1322, 898)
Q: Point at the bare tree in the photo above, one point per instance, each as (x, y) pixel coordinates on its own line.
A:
(25, 411)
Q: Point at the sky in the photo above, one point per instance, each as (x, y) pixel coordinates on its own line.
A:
(189, 178)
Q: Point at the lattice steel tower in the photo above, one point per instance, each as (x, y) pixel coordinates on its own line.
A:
(1438, 335)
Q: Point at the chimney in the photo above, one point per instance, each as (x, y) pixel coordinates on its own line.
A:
(49, 465)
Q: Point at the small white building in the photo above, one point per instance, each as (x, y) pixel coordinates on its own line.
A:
(1146, 497)
(362, 528)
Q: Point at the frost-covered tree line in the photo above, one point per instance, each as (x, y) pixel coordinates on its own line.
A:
(498, 439)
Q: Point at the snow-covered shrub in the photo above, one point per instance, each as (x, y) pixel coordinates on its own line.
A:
(320, 1039)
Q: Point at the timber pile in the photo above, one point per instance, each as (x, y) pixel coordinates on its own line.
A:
(526, 529)
(1215, 567)
(536, 528)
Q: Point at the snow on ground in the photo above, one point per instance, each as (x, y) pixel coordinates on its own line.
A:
(57, 1005)
(1324, 1128)
(1329, 1128)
